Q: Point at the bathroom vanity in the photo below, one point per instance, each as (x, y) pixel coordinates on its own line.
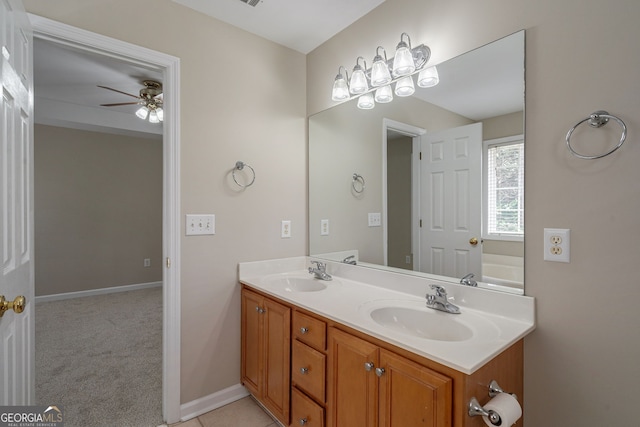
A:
(350, 352)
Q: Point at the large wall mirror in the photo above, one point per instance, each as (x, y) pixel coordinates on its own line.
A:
(431, 184)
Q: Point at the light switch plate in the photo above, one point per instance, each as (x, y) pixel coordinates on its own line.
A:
(375, 219)
(199, 225)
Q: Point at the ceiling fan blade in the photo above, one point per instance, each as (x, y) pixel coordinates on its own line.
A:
(118, 103)
(119, 91)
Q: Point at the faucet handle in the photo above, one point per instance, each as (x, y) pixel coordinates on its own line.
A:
(440, 291)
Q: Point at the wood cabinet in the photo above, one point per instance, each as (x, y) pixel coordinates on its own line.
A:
(311, 371)
(371, 386)
(266, 346)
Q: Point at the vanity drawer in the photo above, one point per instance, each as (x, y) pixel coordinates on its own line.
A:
(310, 330)
(308, 370)
(304, 411)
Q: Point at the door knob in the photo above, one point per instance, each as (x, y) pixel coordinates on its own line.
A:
(16, 305)
(473, 241)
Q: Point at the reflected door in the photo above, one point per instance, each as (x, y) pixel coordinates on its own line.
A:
(450, 201)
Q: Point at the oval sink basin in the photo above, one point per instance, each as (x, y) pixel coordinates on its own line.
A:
(422, 323)
(298, 284)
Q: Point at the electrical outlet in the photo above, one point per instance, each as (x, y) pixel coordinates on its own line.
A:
(285, 232)
(201, 224)
(557, 245)
(324, 227)
(147, 262)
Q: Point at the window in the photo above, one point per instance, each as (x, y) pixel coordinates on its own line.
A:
(504, 188)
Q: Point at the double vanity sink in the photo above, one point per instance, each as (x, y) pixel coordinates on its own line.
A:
(392, 307)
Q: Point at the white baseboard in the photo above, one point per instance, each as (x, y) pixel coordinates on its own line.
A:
(93, 292)
(213, 401)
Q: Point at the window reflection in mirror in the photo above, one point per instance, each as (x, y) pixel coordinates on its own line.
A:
(478, 107)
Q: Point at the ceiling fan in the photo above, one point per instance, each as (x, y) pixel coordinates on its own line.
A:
(150, 98)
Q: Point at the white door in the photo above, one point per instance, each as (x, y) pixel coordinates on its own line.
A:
(450, 201)
(16, 204)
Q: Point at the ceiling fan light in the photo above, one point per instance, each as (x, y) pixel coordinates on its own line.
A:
(142, 112)
(366, 102)
(403, 64)
(153, 117)
(384, 94)
(405, 87)
(160, 113)
(428, 77)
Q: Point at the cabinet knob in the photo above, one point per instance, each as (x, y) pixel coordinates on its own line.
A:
(304, 330)
(303, 421)
(379, 372)
(304, 371)
(368, 366)
(260, 310)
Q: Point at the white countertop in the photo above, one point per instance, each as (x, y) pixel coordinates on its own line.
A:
(497, 319)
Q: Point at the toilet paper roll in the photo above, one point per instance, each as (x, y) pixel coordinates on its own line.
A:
(507, 407)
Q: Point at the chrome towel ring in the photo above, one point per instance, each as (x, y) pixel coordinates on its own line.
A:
(240, 166)
(596, 120)
(357, 183)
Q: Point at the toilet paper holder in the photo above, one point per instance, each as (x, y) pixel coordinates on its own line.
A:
(476, 409)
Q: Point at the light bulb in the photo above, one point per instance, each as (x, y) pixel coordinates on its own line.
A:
(153, 117)
(384, 94)
(142, 112)
(340, 89)
(403, 60)
(405, 87)
(366, 102)
(428, 77)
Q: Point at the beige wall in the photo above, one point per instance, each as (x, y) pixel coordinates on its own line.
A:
(398, 199)
(242, 98)
(581, 364)
(98, 210)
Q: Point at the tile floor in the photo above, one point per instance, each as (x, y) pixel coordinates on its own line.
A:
(242, 413)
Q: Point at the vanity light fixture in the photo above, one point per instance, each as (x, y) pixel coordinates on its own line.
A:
(406, 62)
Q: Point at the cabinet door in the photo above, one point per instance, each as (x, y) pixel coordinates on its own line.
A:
(252, 365)
(277, 348)
(352, 389)
(413, 395)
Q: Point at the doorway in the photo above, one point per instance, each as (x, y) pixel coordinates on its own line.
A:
(169, 66)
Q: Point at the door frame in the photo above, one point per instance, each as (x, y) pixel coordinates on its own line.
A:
(57, 32)
(416, 134)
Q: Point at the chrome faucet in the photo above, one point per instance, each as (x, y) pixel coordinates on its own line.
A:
(351, 259)
(438, 301)
(320, 271)
(468, 280)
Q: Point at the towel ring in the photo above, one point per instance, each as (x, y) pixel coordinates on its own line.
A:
(596, 120)
(358, 181)
(240, 166)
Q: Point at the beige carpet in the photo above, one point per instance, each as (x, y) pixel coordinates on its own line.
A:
(100, 358)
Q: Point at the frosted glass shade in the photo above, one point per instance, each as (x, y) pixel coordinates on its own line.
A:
(153, 117)
(428, 77)
(403, 61)
(358, 82)
(160, 113)
(380, 74)
(142, 112)
(340, 89)
(366, 102)
(405, 87)
(384, 94)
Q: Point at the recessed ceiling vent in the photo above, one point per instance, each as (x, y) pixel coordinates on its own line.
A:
(253, 3)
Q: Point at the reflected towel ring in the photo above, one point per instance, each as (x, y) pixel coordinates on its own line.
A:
(596, 120)
(358, 181)
(240, 166)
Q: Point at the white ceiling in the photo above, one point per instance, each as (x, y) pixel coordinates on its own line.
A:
(301, 25)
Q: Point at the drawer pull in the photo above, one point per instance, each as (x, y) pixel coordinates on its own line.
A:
(369, 366)
(303, 421)
(379, 372)
(304, 330)
(304, 371)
